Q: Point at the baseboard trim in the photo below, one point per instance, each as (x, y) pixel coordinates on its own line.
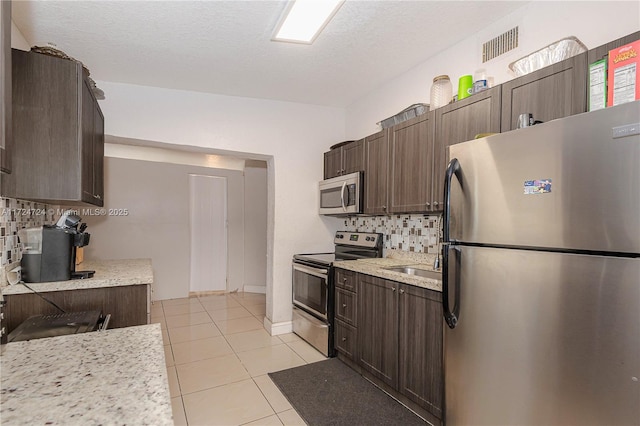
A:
(206, 293)
(255, 289)
(278, 328)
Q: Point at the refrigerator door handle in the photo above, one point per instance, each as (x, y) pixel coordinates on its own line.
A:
(453, 169)
(450, 316)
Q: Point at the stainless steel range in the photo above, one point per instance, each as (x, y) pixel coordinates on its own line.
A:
(313, 287)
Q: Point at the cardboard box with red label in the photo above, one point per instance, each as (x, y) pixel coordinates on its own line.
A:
(624, 79)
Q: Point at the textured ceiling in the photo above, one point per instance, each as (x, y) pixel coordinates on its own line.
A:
(224, 47)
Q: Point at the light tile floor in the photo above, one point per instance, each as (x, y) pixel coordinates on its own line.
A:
(218, 355)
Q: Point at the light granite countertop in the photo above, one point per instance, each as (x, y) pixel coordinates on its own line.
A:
(109, 273)
(114, 377)
(375, 267)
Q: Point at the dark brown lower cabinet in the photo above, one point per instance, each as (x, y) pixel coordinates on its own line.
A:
(346, 340)
(127, 304)
(399, 342)
(420, 347)
(346, 306)
(346, 331)
(378, 328)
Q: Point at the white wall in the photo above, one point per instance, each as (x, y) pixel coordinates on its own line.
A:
(255, 229)
(290, 137)
(540, 23)
(17, 39)
(156, 196)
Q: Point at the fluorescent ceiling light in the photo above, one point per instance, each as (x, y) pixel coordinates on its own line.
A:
(304, 19)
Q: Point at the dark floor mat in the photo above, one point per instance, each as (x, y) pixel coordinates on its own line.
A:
(330, 393)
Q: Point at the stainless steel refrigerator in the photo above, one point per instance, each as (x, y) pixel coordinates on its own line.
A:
(541, 274)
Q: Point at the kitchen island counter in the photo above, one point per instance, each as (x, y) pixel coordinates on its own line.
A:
(375, 267)
(109, 273)
(112, 377)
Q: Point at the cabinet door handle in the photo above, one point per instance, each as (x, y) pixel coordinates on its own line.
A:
(393, 289)
(401, 291)
(344, 339)
(344, 279)
(384, 207)
(428, 203)
(435, 203)
(344, 305)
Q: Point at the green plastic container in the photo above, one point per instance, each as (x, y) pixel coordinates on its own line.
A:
(465, 86)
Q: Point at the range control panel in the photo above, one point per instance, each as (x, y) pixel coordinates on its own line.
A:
(361, 239)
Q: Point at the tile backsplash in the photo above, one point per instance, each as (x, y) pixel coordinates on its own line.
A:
(16, 215)
(411, 233)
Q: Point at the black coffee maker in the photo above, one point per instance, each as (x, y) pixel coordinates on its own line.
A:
(49, 252)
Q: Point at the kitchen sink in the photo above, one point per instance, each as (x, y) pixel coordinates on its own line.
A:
(410, 270)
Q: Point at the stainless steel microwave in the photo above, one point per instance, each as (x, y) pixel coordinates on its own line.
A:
(342, 195)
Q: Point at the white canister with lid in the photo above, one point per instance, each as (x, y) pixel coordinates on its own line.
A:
(480, 81)
(441, 92)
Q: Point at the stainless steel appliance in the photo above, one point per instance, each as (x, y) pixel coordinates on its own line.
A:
(541, 274)
(342, 195)
(313, 286)
(41, 326)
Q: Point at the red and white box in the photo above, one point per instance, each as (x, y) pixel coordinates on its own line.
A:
(624, 77)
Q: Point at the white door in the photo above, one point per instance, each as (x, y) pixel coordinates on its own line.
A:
(208, 211)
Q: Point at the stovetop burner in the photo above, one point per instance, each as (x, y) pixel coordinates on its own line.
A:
(349, 246)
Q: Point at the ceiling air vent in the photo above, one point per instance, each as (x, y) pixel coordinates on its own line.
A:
(499, 45)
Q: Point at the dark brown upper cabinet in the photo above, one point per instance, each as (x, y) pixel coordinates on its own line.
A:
(58, 130)
(463, 120)
(556, 91)
(411, 165)
(92, 149)
(5, 87)
(460, 122)
(348, 158)
(333, 163)
(376, 173)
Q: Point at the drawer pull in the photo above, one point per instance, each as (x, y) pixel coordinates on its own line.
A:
(344, 305)
(344, 339)
(401, 291)
(393, 289)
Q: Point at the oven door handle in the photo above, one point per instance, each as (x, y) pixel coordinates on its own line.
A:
(322, 273)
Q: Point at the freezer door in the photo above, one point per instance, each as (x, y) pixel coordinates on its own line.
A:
(543, 339)
(568, 183)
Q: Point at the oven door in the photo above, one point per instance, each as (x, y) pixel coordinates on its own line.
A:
(310, 289)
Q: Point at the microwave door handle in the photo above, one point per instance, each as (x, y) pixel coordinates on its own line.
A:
(344, 185)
